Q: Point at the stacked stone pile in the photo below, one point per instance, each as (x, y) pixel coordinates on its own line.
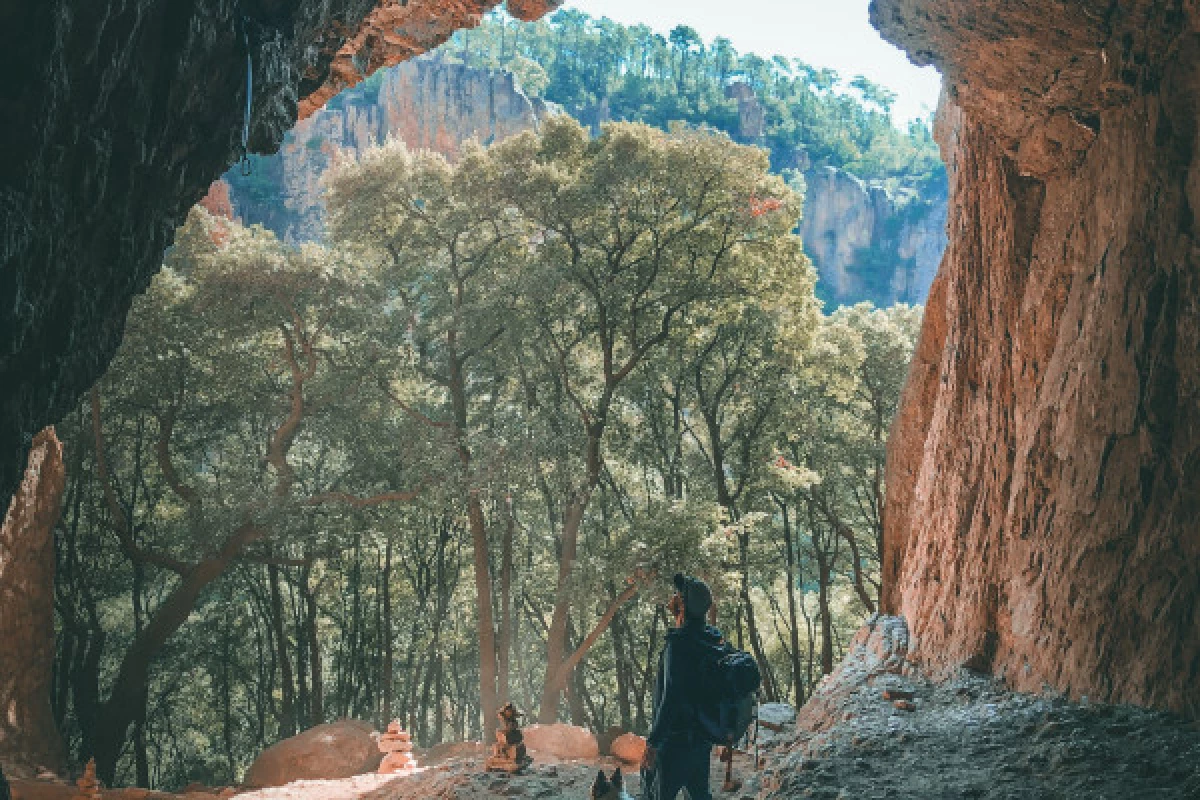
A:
(508, 753)
(88, 784)
(397, 748)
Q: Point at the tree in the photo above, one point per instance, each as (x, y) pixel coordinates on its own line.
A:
(240, 339)
(444, 239)
(638, 229)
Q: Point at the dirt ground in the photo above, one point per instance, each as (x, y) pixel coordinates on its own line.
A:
(964, 739)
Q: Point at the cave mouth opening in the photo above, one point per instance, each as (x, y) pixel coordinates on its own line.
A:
(152, 488)
(1083, 451)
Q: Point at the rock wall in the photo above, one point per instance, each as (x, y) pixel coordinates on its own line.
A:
(29, 741)
(867, 242)
(429, 103)
(1044, 470)
(119, 116)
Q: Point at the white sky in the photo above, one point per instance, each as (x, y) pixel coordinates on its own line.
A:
(824, 33)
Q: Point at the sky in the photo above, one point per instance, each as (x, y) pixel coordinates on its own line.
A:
(823, 33)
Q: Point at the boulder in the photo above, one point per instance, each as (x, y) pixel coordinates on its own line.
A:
(562, 741)
(776, 714)
(776, 723)
(339, 749)
(628, 748)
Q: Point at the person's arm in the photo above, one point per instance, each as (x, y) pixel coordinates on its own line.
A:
(668, 706)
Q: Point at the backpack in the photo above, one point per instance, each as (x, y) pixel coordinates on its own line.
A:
(731, 686)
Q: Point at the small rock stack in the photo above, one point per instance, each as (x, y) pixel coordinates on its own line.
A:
(508, 753)
(396, 746)
(89, 786)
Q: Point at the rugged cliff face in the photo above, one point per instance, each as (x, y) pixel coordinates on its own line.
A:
(123, 113)
(867, 242)
(429, 103)
(1044, 472)
(29, 741)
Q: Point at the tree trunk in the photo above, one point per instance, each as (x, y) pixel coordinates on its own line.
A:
(556, 637)
(793, 622)
(486, 624)
(823, 580)
(387, 677)
(287, 710)
(29, 739)
(504, 644)
(316, 708)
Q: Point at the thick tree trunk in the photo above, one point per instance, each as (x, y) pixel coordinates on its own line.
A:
(556, 637)
(29, 739)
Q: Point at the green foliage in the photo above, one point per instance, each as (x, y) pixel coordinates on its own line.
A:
(813, 117)
(599, 357)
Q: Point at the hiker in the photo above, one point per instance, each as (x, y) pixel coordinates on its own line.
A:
(677, 751)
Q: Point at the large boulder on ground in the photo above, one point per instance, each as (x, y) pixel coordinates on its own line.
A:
(562, 741)
(339, 749)
(628, 748)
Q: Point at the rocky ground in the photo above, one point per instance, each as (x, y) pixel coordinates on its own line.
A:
(967, 738)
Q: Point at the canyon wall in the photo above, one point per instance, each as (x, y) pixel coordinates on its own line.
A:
(29, 741)
(1044, 471)
(118, 117)
(429, 103)
(868, 242)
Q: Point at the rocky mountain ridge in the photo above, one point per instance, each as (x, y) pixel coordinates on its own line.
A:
(867, 242)
(429, 103)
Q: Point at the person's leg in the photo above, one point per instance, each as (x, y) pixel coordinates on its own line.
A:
(699, 764)
(670, 773)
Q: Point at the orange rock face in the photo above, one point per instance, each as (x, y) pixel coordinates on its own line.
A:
(629, 748)
(29, 741)
(397, 30)
(1044, 470)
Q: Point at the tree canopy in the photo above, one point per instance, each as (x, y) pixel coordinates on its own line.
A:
(452, 457)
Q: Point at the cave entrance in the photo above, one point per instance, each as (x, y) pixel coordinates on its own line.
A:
(291, 559)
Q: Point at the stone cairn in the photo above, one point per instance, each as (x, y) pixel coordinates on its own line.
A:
(508, 753)
(396, 746)
(89, 786)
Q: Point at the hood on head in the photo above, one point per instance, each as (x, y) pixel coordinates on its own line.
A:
(697, 597)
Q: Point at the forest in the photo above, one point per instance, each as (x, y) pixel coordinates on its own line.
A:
(451, 456)
(806, 116)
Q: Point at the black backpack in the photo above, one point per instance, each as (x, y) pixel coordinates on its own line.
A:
(731, 681)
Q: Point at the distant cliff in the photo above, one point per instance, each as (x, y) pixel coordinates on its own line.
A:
(869, 243)
(428, 102)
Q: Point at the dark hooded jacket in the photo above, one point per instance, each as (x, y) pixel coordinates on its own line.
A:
(680, 686)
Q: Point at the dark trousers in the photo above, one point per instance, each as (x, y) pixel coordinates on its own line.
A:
(679, 765)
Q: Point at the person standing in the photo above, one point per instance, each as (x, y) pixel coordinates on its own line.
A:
(678, 754)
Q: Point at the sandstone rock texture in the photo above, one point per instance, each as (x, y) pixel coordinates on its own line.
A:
(339, 749)
(866, 241)
(628, 748)
(1044, 470)
(120, 115)
(561, 741)
(29, 741)
(428, 103)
